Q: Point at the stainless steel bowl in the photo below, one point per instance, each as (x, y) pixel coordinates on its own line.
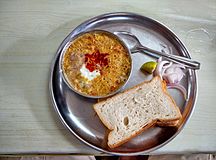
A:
(67, 46)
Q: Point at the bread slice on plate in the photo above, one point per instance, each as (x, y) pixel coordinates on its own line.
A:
(129, 113)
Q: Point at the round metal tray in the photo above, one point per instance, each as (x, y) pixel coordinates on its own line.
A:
(76, 112)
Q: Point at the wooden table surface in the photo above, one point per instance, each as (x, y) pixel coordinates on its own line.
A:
(30, 33)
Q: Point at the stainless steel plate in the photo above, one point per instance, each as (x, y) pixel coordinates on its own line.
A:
(76, 112)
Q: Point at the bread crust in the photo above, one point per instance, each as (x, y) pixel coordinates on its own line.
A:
(168, 123)
(160, 122)
(148, 125)
(127, 90)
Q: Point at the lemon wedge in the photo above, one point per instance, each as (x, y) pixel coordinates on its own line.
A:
(149, 67)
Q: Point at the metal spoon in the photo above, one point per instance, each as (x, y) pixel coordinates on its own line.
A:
(137, 47)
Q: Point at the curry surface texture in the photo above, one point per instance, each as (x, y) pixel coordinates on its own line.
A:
(96, 51)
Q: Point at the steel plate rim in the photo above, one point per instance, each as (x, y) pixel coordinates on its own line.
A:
(52, 66)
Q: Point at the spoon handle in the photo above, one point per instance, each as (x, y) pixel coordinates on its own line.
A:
(189, 63)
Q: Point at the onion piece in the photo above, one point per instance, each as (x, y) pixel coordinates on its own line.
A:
(179, 87)
(174, 69)
(165, 67)
(171, 78)
(180, 73)
(171, 73)
(169, 65)
(159, 68)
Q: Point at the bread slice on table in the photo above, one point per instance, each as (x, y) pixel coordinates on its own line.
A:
(129, 113)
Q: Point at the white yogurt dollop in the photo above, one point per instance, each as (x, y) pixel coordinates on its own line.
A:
(87, 74)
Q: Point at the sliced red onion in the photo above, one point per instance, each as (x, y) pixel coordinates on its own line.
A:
(168, 65)
(180, 73)
(175, 69)
(159, 68)
(165, 67)
(171, 78)
(171, 73)
(169, 70)
(179, 87)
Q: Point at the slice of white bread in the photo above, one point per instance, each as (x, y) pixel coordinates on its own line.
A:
(129, 113)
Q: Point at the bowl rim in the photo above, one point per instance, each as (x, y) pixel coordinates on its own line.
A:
(71, 40)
